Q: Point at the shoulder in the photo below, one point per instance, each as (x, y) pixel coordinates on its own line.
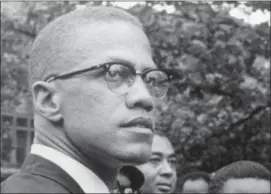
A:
(30, 183)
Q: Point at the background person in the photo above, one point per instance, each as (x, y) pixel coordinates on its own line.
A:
(268, 166)
(195, 182)
(241, 177)
(129, 177)
(160, 170)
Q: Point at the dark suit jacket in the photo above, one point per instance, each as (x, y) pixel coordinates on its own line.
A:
(39, 175)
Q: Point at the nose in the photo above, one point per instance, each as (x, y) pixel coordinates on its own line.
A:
(166, 170)
(139, 96)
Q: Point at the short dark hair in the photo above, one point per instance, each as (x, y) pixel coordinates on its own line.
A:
(48, 49)
(196, 175)
(134, 175)
(268, 166)
(240, 169)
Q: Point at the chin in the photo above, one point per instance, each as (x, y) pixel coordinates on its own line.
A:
(135, 157)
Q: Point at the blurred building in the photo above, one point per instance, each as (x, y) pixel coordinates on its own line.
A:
(17, 133)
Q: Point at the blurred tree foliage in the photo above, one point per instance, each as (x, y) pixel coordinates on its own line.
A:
(219, 109)
(6, 142)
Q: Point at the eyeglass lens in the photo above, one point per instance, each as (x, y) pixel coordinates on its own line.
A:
(120, 78)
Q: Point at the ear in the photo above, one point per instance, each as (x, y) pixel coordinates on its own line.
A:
(46, 101)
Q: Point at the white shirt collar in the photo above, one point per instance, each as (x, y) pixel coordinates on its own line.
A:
(85, 178)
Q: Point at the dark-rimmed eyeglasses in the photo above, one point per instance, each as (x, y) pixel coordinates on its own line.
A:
(120, 77)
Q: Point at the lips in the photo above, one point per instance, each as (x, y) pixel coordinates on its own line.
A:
(140, 122)
(164, 187)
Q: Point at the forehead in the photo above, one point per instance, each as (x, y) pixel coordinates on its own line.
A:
(102, 42)
(198, 185)
(246, 185)
(162, 145)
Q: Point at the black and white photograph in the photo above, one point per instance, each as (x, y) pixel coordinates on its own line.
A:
(135, 97)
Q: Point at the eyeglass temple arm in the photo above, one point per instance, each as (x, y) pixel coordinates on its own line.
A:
(67, 75)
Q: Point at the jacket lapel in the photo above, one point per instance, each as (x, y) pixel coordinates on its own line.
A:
(39, 166)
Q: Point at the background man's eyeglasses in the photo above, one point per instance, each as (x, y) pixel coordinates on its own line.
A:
(120, 77)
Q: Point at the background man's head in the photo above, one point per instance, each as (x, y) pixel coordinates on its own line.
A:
(130, 177)
(81, 111)
(160, 170)
(268, 166)
(241, 177)
(195, 182)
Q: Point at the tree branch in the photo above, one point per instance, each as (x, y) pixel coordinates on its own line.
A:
(256, 111)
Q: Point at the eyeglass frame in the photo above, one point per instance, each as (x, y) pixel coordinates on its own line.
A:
(106, 66)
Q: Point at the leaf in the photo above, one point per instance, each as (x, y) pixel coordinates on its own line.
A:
(226, 28)
(189, 62)
(249, 82)
(202, 118)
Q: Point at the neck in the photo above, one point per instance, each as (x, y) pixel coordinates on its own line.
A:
(55, 138)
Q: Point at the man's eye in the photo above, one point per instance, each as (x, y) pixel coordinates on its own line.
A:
(173, 162)
(150, 80)
(118, 73)
(113, 73)
(114, 76)
(155, 160)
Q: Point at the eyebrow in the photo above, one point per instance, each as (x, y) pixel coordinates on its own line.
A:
(172, 156)
(129, 63)
(160, 154)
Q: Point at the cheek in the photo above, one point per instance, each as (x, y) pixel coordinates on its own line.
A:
(87, 113)
(174, 177)
(150, 173)
(88, 102)
(87, 106)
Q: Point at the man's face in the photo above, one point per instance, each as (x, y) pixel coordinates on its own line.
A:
(160, 170)
(246, 185)
(92, 114)
(195, 186)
